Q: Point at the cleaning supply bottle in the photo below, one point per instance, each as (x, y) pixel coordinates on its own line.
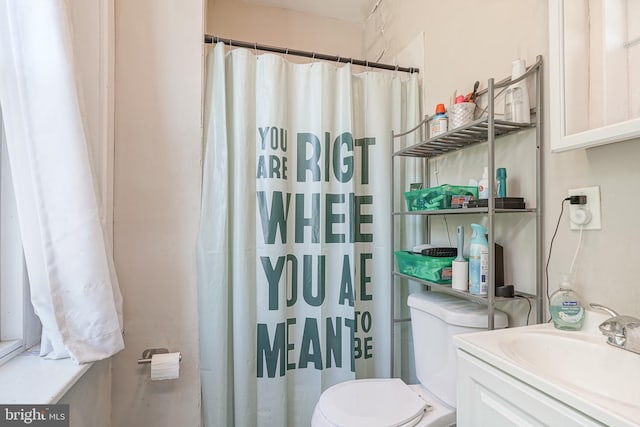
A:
(460, 266)
(566, 308)
(483, 185)
(501, 182)
(478, 261)
(439, 123)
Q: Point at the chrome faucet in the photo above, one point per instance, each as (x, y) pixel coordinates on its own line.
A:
(621, 331)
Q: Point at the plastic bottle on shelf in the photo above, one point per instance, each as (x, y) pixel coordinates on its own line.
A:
(516, 104)
(460, 266)
(483, 185)
(478, 261)
(566, 308)
(439, 122)
(501, 182)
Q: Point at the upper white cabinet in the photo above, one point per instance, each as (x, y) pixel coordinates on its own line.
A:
(594, 63)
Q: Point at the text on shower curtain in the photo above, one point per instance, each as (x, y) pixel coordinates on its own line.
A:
(321, 218)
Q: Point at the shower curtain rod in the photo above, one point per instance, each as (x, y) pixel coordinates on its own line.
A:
(236, 43)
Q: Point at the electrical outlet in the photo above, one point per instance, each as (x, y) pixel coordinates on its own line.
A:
(589, 215)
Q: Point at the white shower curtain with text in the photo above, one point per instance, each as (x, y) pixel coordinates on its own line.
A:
(294, 251)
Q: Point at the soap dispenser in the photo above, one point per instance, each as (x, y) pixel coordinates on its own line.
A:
(567, 311)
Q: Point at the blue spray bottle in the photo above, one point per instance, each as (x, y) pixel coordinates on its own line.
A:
(478, 261)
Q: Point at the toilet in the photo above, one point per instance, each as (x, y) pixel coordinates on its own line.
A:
(385, 402)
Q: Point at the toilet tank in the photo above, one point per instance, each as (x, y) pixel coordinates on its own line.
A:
(435, 319)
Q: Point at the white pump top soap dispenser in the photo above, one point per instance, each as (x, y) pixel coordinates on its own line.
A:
(566, 307)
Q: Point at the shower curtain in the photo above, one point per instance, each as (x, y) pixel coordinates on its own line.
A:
(294, 242)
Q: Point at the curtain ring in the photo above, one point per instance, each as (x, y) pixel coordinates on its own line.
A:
(397, 66)
(313, 55)
(255, 48)
(286, 54)
(338, 59)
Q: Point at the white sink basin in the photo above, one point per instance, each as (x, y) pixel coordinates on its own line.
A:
(578, 363)
(579, 368)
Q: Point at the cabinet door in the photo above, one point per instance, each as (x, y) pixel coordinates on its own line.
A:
(488, 397)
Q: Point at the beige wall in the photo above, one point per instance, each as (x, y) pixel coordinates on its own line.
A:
(470, 40)
(156, 204)
(89, 399)
(279, 27)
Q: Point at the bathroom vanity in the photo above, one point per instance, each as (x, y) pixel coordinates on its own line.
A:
(538, 375)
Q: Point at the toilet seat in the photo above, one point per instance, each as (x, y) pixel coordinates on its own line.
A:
(372, 402)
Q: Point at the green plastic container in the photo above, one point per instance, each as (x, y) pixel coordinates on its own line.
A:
(434, 198)
(433, 269)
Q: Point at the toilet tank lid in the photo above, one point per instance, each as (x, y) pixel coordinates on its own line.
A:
(456, 311)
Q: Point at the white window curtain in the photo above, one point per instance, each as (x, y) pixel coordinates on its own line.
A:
(294, 250)
(74, 288)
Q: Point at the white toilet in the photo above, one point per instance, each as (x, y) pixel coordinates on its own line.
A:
(435, 319)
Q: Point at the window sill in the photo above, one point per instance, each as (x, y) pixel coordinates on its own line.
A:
(31, 379)
(9, 349)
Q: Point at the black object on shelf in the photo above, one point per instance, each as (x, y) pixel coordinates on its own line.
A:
(499, 258)
(501, 203)
(440, 252)
(506, 291)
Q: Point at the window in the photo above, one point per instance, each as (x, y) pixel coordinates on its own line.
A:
(19, 326)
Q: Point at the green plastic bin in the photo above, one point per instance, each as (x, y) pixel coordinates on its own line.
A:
(434, 198)
(433, 269)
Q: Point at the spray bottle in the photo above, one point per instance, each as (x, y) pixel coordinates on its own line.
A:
(478, 261)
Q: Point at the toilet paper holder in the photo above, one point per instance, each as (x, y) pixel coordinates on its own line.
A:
(149, 352)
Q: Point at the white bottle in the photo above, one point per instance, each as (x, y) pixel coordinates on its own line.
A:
(478, 261)
(439, 123)
(460, 266)
(516, 104)
(483, 185)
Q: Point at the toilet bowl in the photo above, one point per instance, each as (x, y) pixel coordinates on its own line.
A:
(435, 319)
(381, 403)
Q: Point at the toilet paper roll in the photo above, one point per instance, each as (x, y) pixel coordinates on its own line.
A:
(460, 276)
(165, 366)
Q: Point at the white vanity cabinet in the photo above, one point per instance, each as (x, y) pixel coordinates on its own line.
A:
(542, 376)
(488, 396)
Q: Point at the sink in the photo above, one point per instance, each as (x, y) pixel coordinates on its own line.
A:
(579, 368)
(577, 362)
